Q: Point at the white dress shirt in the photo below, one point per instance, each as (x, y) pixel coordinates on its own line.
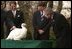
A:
(14, 12)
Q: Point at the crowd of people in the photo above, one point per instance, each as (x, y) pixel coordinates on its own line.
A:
(43, 19)
(13, 18)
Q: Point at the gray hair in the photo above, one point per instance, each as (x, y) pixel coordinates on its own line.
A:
(49, 10)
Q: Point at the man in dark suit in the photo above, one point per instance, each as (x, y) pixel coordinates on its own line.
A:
(5, 19)
(61, 29)
(16, 15)
(39, 23)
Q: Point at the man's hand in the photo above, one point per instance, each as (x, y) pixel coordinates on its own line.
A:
(41, 31)
(13, 28)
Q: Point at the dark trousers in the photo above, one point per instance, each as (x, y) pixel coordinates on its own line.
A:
(44, 36)
(63, 43)
(2, 34)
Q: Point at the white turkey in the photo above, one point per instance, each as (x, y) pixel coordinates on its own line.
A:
(18, 33)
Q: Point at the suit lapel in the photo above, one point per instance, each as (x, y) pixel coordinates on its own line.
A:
(12, 14)
(16, 13)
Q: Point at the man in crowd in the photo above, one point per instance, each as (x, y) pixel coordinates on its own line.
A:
(61, 29)
(5, 19)
(40, 31)
(15, 15)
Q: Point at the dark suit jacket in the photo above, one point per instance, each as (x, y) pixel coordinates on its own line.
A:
(36, 20)
(38, 24)
(62, 31)
(18, 19)
(5, 19)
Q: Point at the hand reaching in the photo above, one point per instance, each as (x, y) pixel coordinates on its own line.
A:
(41, 31)
(13, 28)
